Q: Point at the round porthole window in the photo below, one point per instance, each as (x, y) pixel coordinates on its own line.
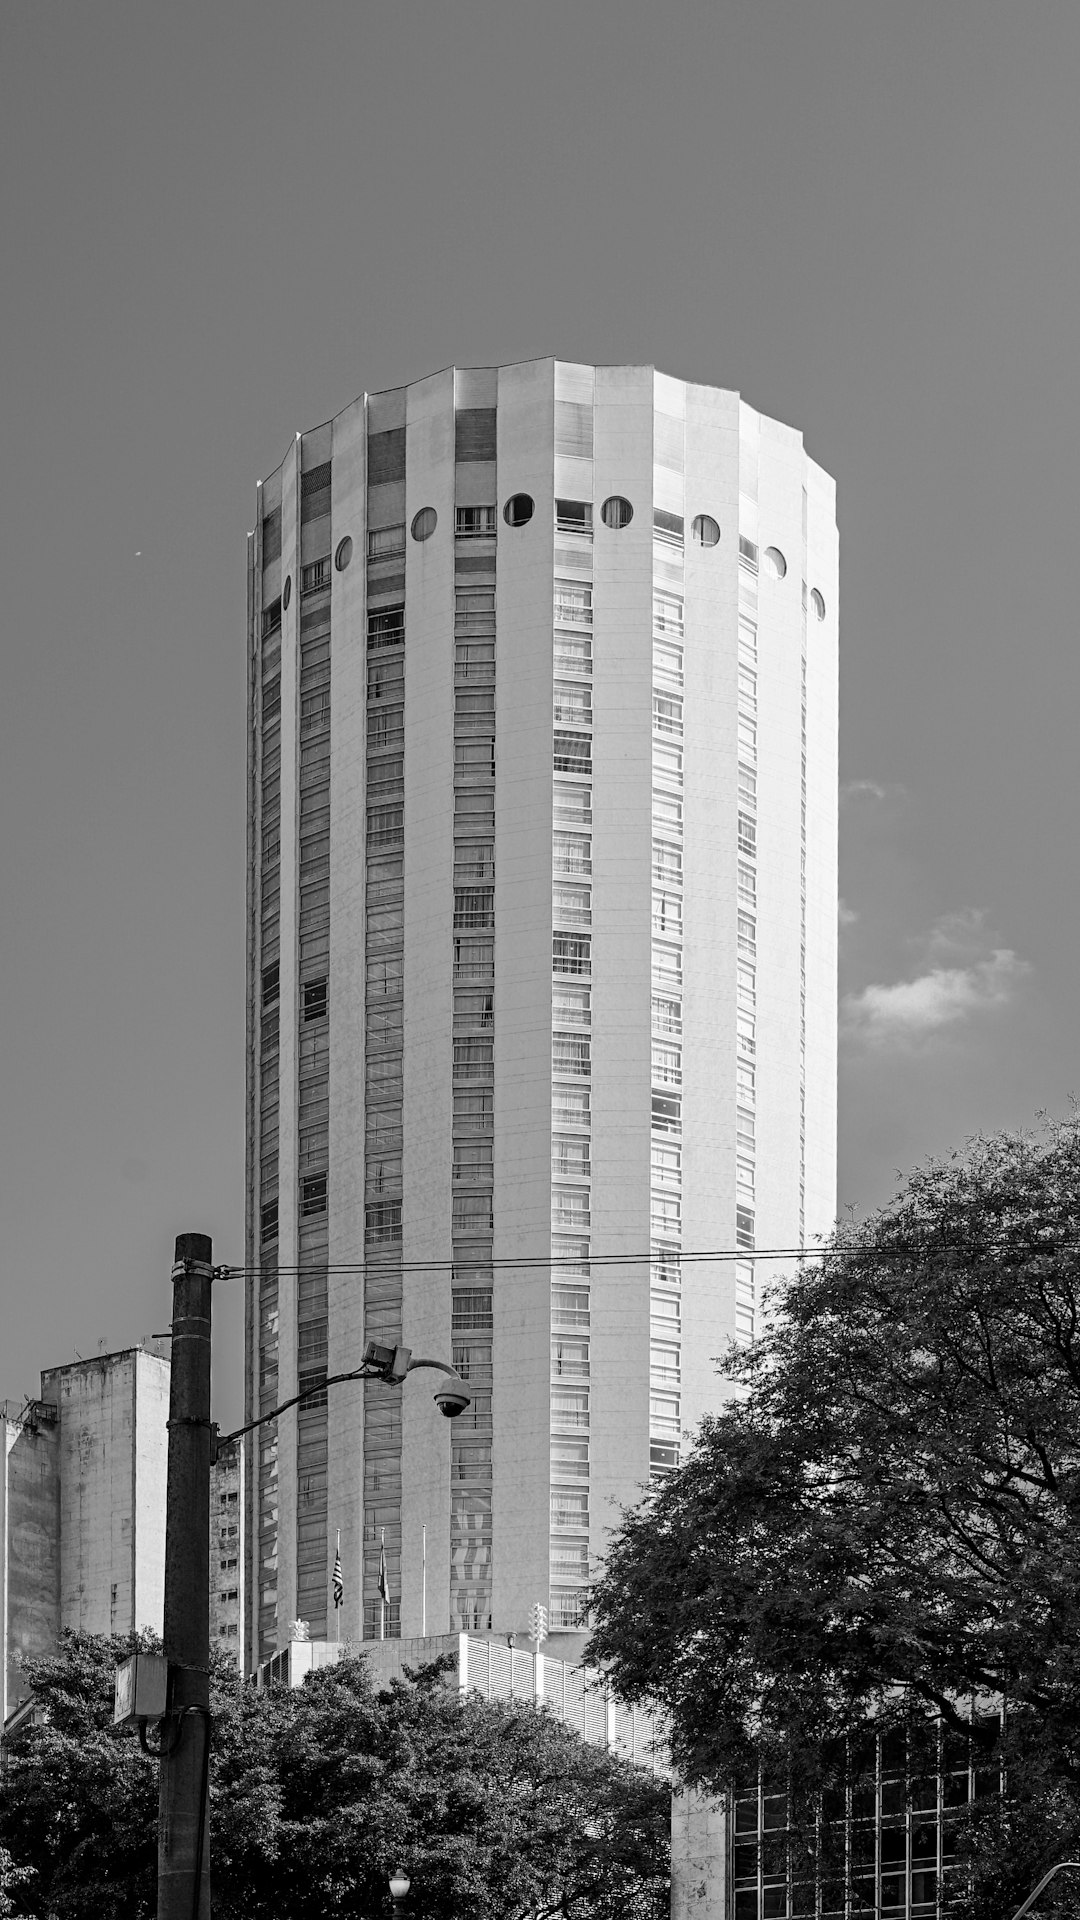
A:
(775, 564)
(519, 509)
(705, 530)
(817, 601)
(344, 553)
(616, 512)
(424, 523)
(286, 592)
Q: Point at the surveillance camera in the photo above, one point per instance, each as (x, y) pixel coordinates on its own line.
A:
(452, 1397)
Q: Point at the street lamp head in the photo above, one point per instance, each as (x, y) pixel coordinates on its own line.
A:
(399, 1884)
(452, 1396)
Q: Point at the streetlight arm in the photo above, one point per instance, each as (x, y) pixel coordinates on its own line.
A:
(439, 1365)
(1043, 1883)
(363, 1372)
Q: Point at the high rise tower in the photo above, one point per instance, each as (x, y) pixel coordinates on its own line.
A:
(542, 962)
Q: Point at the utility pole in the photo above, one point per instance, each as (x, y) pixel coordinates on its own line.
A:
(183, 1810)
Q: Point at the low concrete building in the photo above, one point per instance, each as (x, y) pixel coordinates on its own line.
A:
(83, 1490)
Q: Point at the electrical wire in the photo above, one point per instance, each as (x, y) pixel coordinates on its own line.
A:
(676, 1257)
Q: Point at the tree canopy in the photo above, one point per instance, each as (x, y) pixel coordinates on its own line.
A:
(884, 1517)
(317, 1793)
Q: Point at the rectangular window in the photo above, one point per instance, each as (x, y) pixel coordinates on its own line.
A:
(666, 1113)
(571, 953)
(572, 805)
(474, 959)
(667, 714)
(572, 853)
(474, 1008)
(570, 1156)
(746, 1033)
(474, 610)
(474, 660)
(473, 1112)
(471, 1214)
(667, 763)
(572, 706)
(570, 1106)
(314, 993)
(666, 1065)
(473, 1058)
(747, 733)
(569, 1359)
(667, 865)
(668, 662)
(472, 1162)
(474, 907)
(315, 576)
(312, 1195)
(748, 835)
(666, 1014)
(571, 1053)
(666, 1310)
(747, 886)
(570, 1508)
(745, 1128)
(476, 758)
(744, 1227)
(747, 935)
(664, 1413)
(571, 905)
(667, 915)
(574, 516)
(667, 812)
(748, 692)
(666, 1164)
(668, 614)
(385, 826)
(573, 653)
(474, 523)
(271, 619)
(570, 1211)
(745, 985)
(471, 1309)
(386, 628)
(569, 1306)
(573, 753)
(573, 603)
(748, 553)
(385, 543)
(667, 527)
(569, 1407)
(745, 1078)
(570, 1006)
(666, 964)
(663, 1365)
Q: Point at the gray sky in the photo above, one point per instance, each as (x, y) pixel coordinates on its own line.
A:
(222, 221)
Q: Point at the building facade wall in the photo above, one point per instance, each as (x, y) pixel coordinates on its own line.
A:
(549, 1053)
(29, 1546)
(113, 1469)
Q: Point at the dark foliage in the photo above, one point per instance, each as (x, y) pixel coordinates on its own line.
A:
(884, 1519)
(318, 1793)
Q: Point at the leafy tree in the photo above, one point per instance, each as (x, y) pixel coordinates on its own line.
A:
(885, 1518)
(79, 1801)
(317, 1793)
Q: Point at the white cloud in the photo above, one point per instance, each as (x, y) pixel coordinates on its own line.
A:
(862, 790)
(977, 983)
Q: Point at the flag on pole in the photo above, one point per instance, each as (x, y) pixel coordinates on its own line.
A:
(339, 1584)
(384, 1577)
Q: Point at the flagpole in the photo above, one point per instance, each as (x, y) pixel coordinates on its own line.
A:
(423, 1583)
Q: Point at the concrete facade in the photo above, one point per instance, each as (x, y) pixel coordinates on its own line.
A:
(82, 1506)
(542, 965)
(82, 1513)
